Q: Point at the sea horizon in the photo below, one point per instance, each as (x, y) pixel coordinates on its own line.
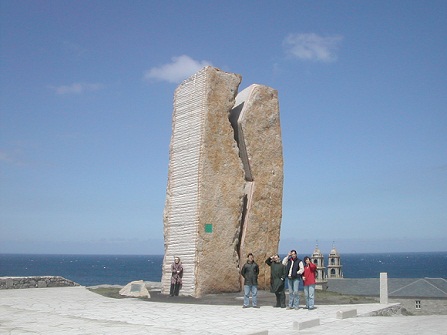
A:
(115, 269)
(161, 254)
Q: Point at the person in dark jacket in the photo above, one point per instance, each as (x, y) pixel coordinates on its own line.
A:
(294, 270)
(176, 276)
(277, 277)
(250, 272)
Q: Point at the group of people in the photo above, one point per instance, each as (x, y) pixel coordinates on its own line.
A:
(292, 270)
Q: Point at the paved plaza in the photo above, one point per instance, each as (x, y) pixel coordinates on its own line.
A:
(76, 310)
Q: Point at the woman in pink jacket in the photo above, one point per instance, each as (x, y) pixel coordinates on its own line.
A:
(309, 282)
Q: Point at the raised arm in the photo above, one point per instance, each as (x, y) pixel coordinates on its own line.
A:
(301, 270)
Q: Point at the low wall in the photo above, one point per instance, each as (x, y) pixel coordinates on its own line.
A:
(34, 282)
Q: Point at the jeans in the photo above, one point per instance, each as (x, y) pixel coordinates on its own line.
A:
(309, 292)
(254, 295)
(294, 297)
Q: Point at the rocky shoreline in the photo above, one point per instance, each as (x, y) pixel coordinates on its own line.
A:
(7, 283)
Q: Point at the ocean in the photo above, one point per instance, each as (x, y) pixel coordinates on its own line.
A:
(91, 270)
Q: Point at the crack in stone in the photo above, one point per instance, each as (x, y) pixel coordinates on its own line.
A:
(236, 117)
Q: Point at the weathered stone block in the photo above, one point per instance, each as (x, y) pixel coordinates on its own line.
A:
(136, 289)
(300, 325)
(225, 179)
(351, 313)
(255, 118)
(383, 287)
(205, 186)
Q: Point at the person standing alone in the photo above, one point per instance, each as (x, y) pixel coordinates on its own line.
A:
(294, 270)
(250, 272)
(176, 276)
(277, 277)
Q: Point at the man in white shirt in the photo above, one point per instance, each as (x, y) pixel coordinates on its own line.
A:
(294, 270)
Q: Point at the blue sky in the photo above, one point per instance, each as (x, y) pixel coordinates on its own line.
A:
(86, 107)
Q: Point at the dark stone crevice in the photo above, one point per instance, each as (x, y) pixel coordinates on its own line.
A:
(235, 116)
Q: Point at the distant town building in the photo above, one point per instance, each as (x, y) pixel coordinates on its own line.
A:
(416, 296)
(334, 267)
(318, 259)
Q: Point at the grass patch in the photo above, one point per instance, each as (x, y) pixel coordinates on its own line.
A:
(264, 297)
(110, 292)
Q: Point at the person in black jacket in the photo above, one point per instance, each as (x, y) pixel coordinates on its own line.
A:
(277, 277)
(250, 272)
(176, 277)
(294, 271)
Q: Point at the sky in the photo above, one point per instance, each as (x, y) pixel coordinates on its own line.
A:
(86, 108)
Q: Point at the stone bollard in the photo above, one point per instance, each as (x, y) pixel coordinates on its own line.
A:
(351, 313)
(383, 288)
(306, 324)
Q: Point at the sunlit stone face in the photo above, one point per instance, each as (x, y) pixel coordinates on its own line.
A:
(225, 178)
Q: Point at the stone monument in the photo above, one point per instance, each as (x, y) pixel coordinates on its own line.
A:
(225, 182)
(135, 289)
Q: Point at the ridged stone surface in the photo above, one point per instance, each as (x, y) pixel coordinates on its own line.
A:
(225, 180)
(259, 122)
(205, 186)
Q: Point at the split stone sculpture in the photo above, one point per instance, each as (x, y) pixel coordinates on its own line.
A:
(225, 182)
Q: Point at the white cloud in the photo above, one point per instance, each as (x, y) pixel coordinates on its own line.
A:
(312, 47)
(77, 88)
(179, 69)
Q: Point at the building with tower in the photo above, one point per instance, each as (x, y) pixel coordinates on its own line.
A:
(318, 259)
(334, 267)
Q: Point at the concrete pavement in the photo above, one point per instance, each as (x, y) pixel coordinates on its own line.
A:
(76, 310)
